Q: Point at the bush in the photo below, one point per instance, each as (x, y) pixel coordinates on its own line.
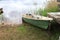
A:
(52, 9)
(44, 12)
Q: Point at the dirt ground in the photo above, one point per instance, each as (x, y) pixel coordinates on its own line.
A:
(22, 32)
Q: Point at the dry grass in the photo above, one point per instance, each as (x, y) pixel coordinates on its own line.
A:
(22, 32)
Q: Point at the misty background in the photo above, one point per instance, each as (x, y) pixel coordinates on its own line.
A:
(13, 9)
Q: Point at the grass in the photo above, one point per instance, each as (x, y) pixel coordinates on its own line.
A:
(22, 32)
(26, 32)
(44, 11)
(22, 29)
(52, 9)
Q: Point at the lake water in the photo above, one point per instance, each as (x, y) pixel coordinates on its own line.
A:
(13, 9)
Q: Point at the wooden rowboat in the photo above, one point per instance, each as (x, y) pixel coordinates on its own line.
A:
(36, 20)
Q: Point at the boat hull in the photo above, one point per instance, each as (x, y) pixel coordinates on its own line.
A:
(38, 23)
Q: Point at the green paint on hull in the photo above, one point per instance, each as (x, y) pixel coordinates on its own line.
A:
(39, 23)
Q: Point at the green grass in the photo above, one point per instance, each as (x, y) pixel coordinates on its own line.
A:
(26, 32)
(39, 34)
(52, 9)
(21, 28)
(23, 32)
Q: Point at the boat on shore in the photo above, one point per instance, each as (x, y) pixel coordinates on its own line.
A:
(37, 20)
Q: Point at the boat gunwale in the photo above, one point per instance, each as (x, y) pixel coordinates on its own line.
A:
(36, 19)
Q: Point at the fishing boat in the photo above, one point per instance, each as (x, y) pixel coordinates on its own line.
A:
(37, 20)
